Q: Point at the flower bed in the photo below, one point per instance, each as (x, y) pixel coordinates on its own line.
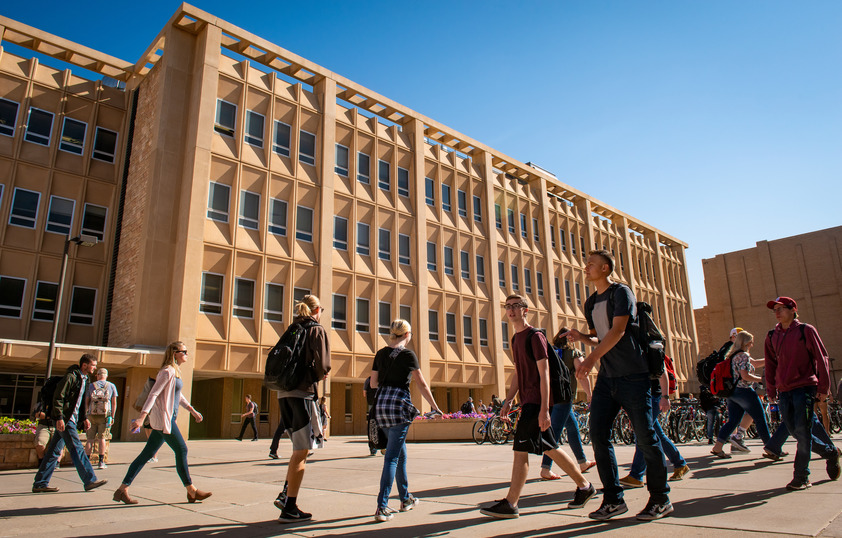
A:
(14, 426)
(17, 445)
(450, 427)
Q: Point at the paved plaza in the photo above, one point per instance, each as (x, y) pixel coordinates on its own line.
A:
(743, 495)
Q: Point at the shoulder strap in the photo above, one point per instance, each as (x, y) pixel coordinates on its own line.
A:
(612, 289)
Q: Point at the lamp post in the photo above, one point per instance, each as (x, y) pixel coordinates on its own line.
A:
(85, 241)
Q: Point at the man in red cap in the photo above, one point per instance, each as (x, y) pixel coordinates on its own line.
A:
(798, 373)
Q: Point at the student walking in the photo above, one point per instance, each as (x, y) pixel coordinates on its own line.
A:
(161, 407)
(394, 369)
(248, 419)
(534, 433)
(623, 381)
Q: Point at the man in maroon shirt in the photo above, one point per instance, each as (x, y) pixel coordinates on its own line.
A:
(798, 373)
(533, 434)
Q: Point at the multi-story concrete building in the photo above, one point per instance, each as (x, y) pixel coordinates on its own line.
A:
(239, 177)
(806, 267)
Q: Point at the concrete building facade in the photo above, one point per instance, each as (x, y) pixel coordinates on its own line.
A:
(247, 176)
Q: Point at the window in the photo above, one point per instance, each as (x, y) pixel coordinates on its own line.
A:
(363, 168)
(82, 304)
(304, 224)
(8, 117)
(433, 322)
(39, 127)
(584, 251)
(339, 316)
(527, 280)
(45, 301)
(403, 249)
(24, 210)
(578, 294)
(383, 175)
(105, 145)
(523, 232)
(93, 221)
(535, 235)
(11, 296)
(557, 289)
(505, 335)
(298, 294)
(480, 269)
(510, 215)
(249, 209)
(226, 117)
(283, 133)
(432, 263)
(363, 325)
(243, 298)
(539, 280)
(73, 136)
(278, 217)
(340, 233)
(587, 291)
(384, 317)
(450, 319)
(498, 218)
(483, 332)
(563, 236)
(60, 215)
(307, 147)
(465, 264)
(384, 244)
(552, 236)
(341, 166)
(430, 191)
(363, 239)
(254, 129)
(273, 303)
(515, 279)
(445, 197)
(211, 299)
(467, 331)
(406, 313)
(501, 274)
(218, 196)
(622, 263)
(567, 290)
(448, 260)
(403, 182)
(477, 209)
(572, 243)
(462, 202)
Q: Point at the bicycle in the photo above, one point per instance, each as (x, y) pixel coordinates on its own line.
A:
(502, 429)
(482, 430)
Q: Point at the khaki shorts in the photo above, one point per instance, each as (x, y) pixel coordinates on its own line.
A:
(43, 434)
(98, 430)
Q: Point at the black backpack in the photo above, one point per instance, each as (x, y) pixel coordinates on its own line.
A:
(466, 408)
(285, 368)
(47, 394)
(645, 330)
(560, 391)
(704, 368)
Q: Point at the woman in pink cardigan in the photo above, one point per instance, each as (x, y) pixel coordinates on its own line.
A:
(162, 409)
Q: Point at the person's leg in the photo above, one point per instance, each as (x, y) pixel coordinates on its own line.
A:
(520, 470)
(711, 420)
(754, 409)
(179, 448)
(570, 467)
(797, 409)
(253, 423)
(77, 454)
(635, 395)
(822, 443)
(401, 478)
(243, 429)
(557, 418)
(102, 446)
(776, 442)
(153, 443)
(48, 464)
(295, 471)
(574, 439)
(276, 439)
(604, 409)
(396, 436)
(735, 415)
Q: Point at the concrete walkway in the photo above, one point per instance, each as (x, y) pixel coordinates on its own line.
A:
(729, 497)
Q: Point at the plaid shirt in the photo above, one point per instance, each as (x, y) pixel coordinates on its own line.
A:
(393, 407)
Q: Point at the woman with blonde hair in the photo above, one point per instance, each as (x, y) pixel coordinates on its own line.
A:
(393, 370)
(744, 399)
(161, 407)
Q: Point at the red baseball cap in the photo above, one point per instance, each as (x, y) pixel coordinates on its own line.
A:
(788, 302)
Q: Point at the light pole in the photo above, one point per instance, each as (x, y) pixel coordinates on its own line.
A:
(85, 241)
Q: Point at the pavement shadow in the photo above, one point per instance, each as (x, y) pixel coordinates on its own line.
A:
(459, 490)
(51, 510)
(725, 503)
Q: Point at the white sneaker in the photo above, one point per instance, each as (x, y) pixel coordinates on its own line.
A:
(102, 465)
(152, 460)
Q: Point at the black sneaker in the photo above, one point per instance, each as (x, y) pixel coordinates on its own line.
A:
(774, 456)
(410, 503)
(273, 455)
(294, 515)
(655, 511)
(582, 496)
(281, 501)
(501, 509)
(833, 469)
(798, 484)
(607, 511)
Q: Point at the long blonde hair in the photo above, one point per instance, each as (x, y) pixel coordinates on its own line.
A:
(740, 343)
(307, 306)
(169, 357)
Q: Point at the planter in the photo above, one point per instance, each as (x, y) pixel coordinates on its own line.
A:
(17, 451)
(458, 429)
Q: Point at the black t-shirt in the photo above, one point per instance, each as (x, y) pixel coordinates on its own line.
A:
(395, 372)
(626, 357)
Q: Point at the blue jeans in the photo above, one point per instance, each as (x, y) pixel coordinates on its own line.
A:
(638, 467)
(744, 401)
(632, 393)
(562, 416)
(52, 453)
(394, 465)
(156, 439)
(712, 417)
(822, 444)
(796, 407)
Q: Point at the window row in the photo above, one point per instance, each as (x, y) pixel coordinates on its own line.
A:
(362, 318)
(26, 204)
(450, 329)
(447, 202)
(12, 292)
(39, 130)
(210, 299)
(515, 278)
(384, 171)
(464, 262)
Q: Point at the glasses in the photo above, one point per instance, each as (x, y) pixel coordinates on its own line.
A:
(512, 306)
(184, 351)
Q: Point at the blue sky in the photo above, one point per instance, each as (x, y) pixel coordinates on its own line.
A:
(718, 122)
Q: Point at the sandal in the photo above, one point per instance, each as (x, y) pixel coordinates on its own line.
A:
(552, 477)
(721, 454)
(588, 467)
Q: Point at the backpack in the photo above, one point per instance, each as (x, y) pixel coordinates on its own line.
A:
(645, 331)
(466, 408)
(99, 399)
(140, 401)
(285, 368)
(560, 391)
(669, 366)
(704, 368)
(47, 393)
(256, 410)
(722, 382)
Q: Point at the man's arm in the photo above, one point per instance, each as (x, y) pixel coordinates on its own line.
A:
(544, 374)
(818, 353)
(665, 403)
(510, 395)
(618, 329)
(770, 368)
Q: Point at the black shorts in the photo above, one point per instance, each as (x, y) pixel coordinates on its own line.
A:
(528, 435)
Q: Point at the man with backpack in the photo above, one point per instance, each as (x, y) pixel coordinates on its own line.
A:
(249, 418)
(102, 407)
(468, 407)
(533, 435)
(623, 381)
(798, 374)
